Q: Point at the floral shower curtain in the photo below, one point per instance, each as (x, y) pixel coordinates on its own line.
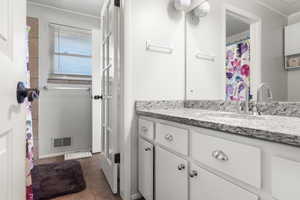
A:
(238, 70)
(29, 135)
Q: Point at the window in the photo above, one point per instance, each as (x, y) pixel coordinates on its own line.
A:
(72, 51)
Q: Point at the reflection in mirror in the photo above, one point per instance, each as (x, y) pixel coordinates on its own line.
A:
(238, 57)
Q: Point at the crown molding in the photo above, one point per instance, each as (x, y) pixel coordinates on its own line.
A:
(294, 14)
(271, 8)
(62, 9)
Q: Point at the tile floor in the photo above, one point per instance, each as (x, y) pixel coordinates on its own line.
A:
(97, 187)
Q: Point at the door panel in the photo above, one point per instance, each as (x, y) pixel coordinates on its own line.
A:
(5, 160)
(110, 83)
(5, 27)
(171, 176)
(96, 91)
(12, 115)
(208, 186)
(146, 169)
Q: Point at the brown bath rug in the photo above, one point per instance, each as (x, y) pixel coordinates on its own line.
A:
(57, 179)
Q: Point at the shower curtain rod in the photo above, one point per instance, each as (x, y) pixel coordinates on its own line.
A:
(239, 41)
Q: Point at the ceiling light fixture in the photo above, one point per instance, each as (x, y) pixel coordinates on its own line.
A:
(202, 10)
(182, 5)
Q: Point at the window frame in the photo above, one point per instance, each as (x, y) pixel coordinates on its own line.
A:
(53, 27)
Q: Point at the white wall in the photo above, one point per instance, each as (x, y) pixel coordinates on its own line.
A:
(155, 76)
(294, 75)
(61, 113)
(64, 114)
(148, 75)
(207, 36)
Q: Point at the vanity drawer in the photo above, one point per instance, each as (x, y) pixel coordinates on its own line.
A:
(173, 138)
(146, 129)
(240, 161)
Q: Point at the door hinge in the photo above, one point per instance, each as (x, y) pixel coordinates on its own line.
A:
(117, 158)
(118, 3)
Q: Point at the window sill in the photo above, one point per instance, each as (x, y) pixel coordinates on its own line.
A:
(70, 79)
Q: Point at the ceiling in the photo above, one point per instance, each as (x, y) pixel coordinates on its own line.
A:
(92, 7)
(285, 7)
(87, 7)
(235, 25)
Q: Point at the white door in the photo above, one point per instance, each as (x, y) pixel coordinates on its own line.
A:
(96, 92)
(207, 186)
(146, 169)
(12, 115)
(110, 92)
(171, 177)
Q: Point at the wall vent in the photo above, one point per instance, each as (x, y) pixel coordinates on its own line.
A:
(62, 142)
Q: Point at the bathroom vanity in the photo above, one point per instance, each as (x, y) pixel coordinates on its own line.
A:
(193, 154)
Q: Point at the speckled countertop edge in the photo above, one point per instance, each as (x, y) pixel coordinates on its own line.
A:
(270, 136)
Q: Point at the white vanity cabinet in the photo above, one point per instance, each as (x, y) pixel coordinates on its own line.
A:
(146, 169)
(171, 175)
(181, 162)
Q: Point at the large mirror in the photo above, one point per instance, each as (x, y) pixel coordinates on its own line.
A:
(233, 53)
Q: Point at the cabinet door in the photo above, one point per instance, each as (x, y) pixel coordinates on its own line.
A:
(207, 186)
(146, 169)
(171, 176)
(292, 42)
(285, 179)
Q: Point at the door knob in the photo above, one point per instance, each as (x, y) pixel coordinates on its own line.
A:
(181, 167)
(23, 93)
(97, 97)
(148, 149)
(193, 174)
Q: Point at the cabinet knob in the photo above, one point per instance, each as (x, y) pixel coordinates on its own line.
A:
(181, 167)
(169, 137)
(220, 155)
(193, 174)
(148, 149)
(144, 129)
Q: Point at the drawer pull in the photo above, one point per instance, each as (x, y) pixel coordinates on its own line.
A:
(169, 137)
(220, 155)
(181, 167)
(193, 174)
(144, 129)
(148, 149)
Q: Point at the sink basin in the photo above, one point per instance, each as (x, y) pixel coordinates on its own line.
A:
(233, 116)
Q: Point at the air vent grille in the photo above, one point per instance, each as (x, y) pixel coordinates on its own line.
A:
(62, 142)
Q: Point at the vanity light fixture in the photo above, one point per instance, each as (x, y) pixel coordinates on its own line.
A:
(182, 5)
(202, 10)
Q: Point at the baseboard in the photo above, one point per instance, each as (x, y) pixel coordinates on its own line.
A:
(51, 155)
(136, 196)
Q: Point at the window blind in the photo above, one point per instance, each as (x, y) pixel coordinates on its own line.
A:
(71, 50)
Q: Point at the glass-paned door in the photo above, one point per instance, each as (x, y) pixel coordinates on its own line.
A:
(110, 80)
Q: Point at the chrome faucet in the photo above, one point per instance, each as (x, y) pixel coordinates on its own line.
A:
(261, 95)
(244, 108)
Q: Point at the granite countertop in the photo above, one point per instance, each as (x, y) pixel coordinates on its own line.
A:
(280, 129)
